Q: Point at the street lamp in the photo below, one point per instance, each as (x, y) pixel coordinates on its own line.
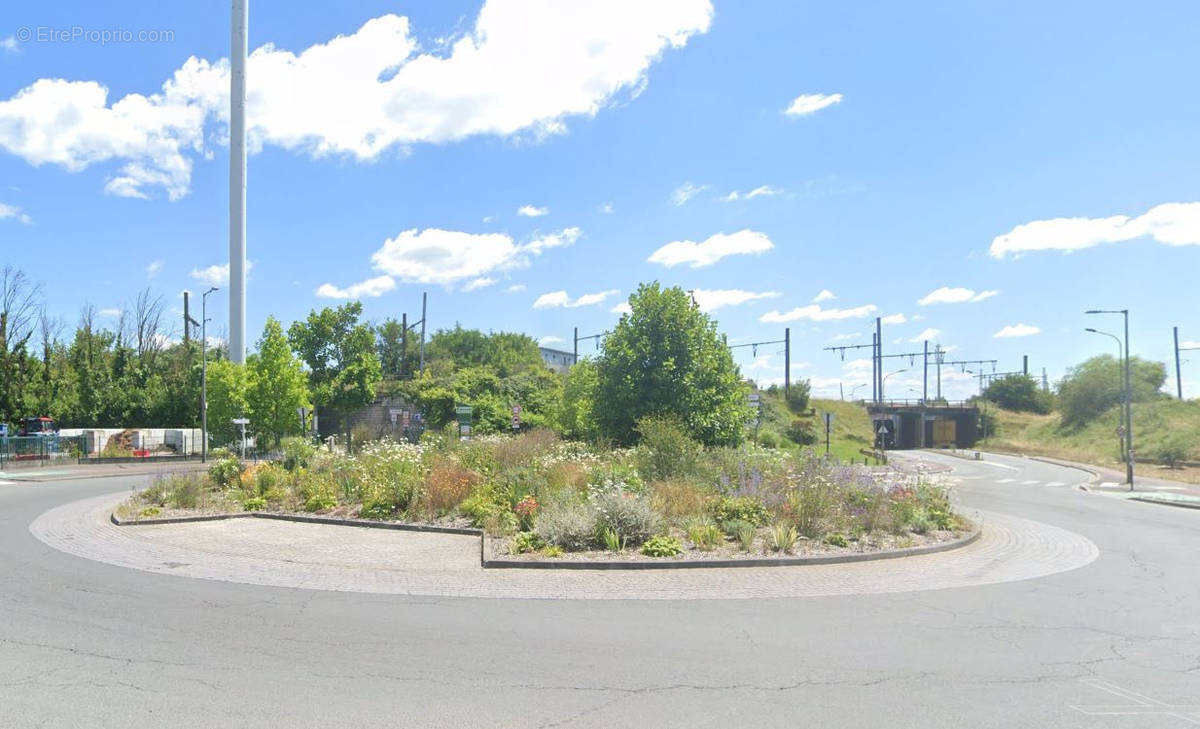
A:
(855, 389)
(884, 380)
(1128, 395)
(1121, 414)
(204, 374)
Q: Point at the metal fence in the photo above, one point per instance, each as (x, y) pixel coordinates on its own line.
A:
(39, 450)
(138, 445)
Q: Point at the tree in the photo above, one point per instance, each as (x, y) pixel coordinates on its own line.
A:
(226, 400)
(576, 416)
(1020, 393)
(18, 313)
(1097, 385)
(390, 345)
(339, 350)
(666, 358)
(276, 385)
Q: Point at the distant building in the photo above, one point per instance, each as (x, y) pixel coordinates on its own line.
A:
(556, 359)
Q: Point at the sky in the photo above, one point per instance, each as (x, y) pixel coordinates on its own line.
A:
(977, 173)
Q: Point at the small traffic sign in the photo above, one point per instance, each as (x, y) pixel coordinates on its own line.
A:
(241, 421)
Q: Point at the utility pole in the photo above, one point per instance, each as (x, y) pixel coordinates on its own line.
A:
(879, 351)
(1025, 365)
(237, 181)
(1178, 377)
(924, 394)
(874, 368)
(404, 345)
(787, 362)
(204, 374)
(575, 347)
(424, 302)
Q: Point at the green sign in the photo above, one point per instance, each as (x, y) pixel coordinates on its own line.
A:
(463, 414)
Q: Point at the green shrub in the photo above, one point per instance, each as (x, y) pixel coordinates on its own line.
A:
(739, 508)
(783, 538)
(837, 540)
(678, 499)
(665, 449)
(256, 503)
(297, 453)
(150, 511)
(801, 431)
(662, 546)
(629, 515)
(611, 540)
(1175, 449)
(523, 542)
(813, 507)
(178, 490)
(553, 551)
(318, 493)
(225, 471)
(568, 524)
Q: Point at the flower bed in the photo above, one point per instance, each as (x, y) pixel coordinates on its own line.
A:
(541, 498)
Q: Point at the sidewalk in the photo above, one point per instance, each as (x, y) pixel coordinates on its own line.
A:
(1145, 488)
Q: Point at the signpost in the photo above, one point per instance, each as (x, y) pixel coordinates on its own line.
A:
(828, 417)
(753, 400)
(463, 414)
(516, 418)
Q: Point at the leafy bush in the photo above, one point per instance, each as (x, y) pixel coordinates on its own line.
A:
(1096, 385)
(255, 503)
(226, 471)
(523, 542)
(1174, 450)
(666, 450)
(662, 546)
(837, 540)
(783, 538)
(801, 431)
(1019, 392)
(812, 507)
(150, 511)
(739, 508)
(568, 524)
(611, 540)
(318, 493)
(629, 515)
(744, 533)
(176, 490)
(798, 395)
(297, 453)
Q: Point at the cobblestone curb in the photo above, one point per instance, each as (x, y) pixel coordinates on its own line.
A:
(1167, 502)
(546, 564)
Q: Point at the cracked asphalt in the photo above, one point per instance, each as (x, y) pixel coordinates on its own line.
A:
(1115, 643)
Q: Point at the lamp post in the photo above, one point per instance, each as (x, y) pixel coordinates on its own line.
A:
(1128, 395)
(883, 381)
(1121, 415)
(855, 389)
(204, 374)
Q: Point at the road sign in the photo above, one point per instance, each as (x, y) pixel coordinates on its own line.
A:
(516, 410)
(828, 417)
(753, 397)
(241, 421)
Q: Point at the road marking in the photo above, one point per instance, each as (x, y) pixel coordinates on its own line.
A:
(1140, 704)
(1005, 480)
(1170, 488)
(1110, 484)
(1055, 483)
(1029, 483)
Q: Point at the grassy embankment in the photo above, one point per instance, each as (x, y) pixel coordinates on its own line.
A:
(851, 429)
(1096, 443)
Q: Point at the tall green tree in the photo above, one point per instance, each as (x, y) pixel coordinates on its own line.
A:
(665, 357)
(339, 350)
(276, 385)
(1019, 392)
(226, 400)
(390, 346)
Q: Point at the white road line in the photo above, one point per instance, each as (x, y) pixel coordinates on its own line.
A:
(1170, 488)
(1055, 483)
(1109, 484)
(1029, 483)
(1006, 480)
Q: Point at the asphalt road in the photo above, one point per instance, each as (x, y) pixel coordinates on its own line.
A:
(1113, 644)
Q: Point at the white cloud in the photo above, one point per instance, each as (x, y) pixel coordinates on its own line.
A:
(216, 274)
(713, 299)
(1017, 330)
(532, 211)
(363, 94)
(893, 319)
(760, 191)
(1173, 224)
(515, 288)
(14, 212)
(153, 268)
(1189, 345)
(825, 295)
(10, 44)
(686, 192)
(813, 312)
(621, 308)
(109, 312)
(562, 238)
(370, 288)
(560, 299)
(447, 256)
(844, 337)
(478, 283)
(607, 208)
(955, 295)
(806, 104)
(713, 249)
(547, 341)
(929, 333)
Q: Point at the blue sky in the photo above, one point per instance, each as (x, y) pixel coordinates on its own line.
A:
(1045, 152)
